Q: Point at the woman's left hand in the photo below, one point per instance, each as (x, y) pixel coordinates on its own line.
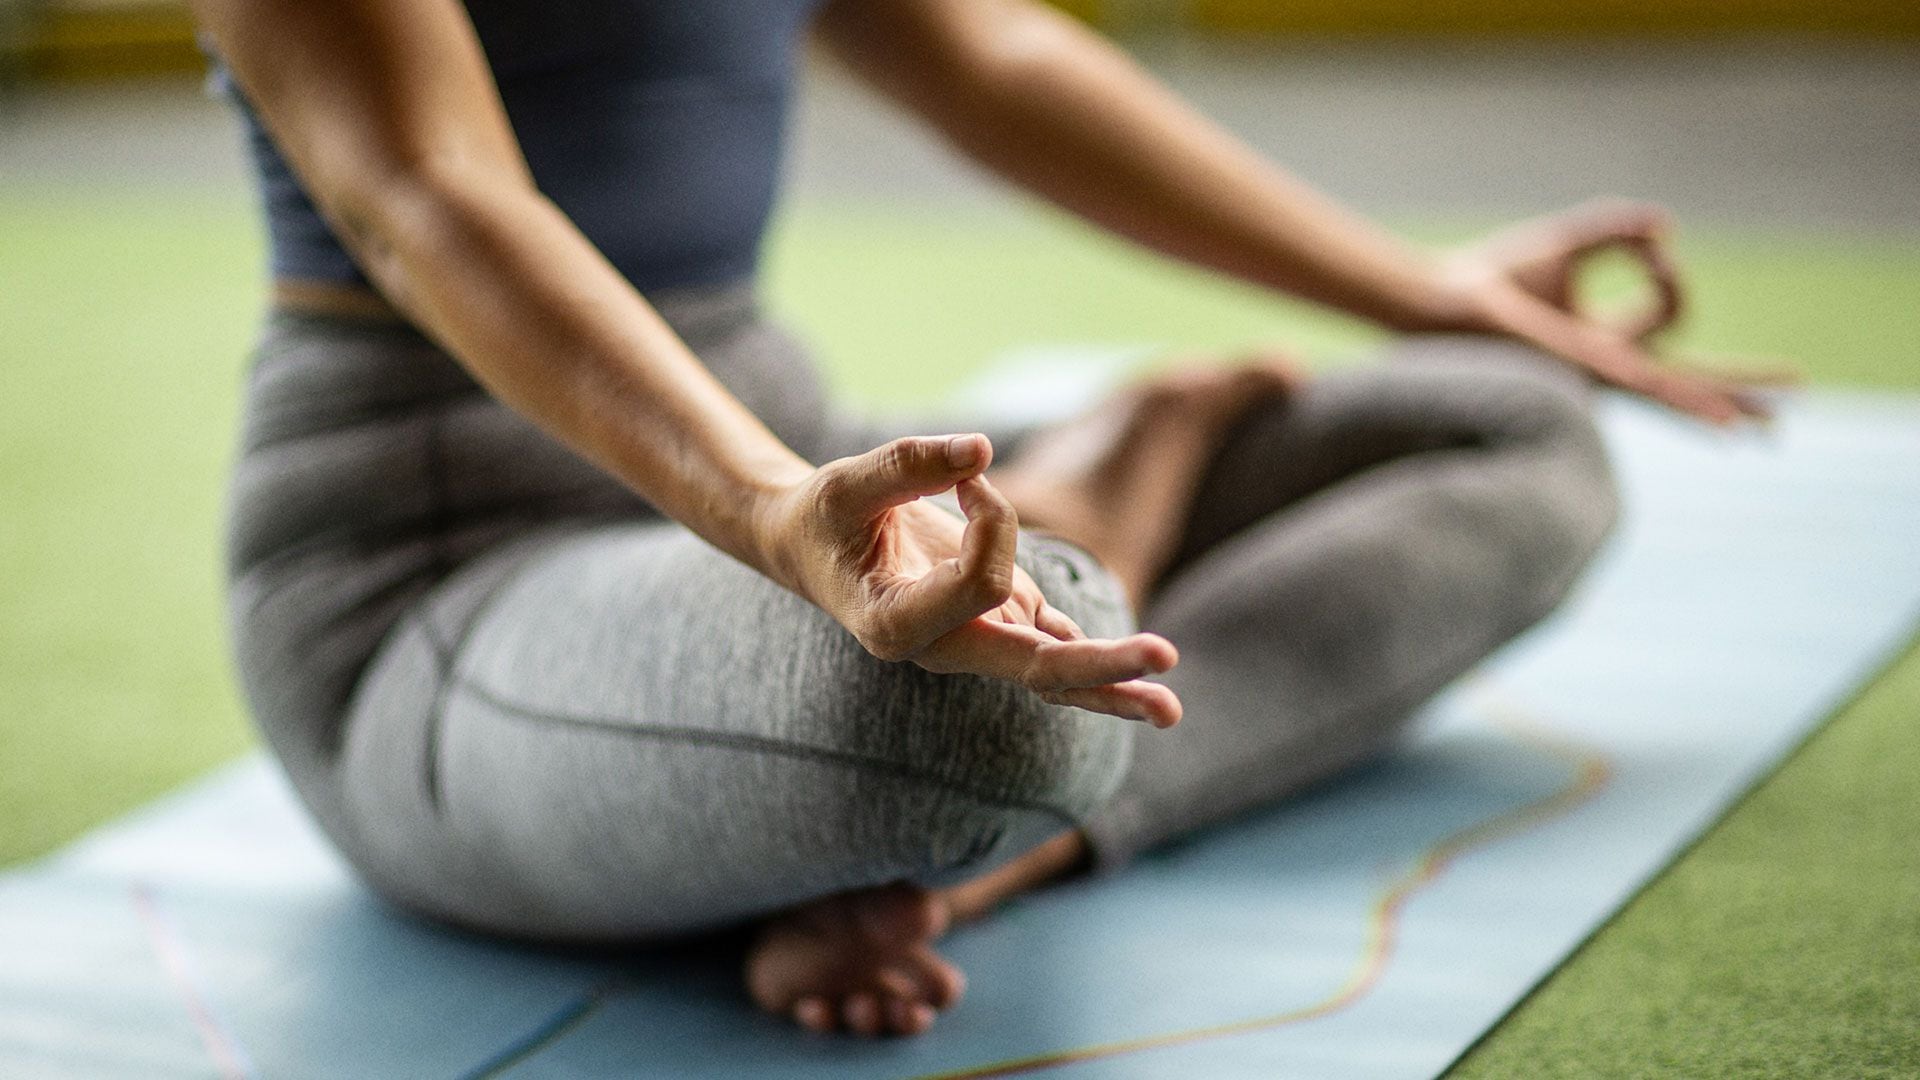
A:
(1544, 256)
(1523, 282)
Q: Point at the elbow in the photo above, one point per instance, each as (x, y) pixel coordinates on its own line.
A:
(366, 220)
(377, 211)
(1028, 51)
(979, 58)
(394, 219)
(1013, 56)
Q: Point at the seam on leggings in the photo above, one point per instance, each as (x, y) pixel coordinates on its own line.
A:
(757, 744)
(439, 519)
(448, 656)
(443, 655)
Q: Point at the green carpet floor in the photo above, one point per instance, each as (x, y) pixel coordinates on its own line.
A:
(1785, 944)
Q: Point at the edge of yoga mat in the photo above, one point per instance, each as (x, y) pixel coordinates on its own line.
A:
(534, 1030)
(1874, 669)
(1075, 375)
(1877, 670)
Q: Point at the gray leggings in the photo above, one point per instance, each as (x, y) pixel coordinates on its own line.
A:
(519, 699)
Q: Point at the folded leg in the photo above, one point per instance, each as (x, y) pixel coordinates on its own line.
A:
(616, 732)
(1352, 551)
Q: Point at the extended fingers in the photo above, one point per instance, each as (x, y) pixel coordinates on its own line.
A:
(1136, 699)
(1715, 401)
(1055, 667)
(1055, 622)
(1069, 665)
(1721, 396)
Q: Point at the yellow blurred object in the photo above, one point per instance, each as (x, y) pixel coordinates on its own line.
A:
(105, 39)
(1554, 18)
(95, 39)
(1086, 10)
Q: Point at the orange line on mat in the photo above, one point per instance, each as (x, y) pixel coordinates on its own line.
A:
(1592, 772)
(172, 951)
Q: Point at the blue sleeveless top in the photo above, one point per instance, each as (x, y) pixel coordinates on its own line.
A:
(656, 125)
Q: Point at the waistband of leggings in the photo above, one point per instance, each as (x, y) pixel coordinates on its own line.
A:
(690, 310)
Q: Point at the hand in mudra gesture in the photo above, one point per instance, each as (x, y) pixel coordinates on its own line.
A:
(1522, 281)
(914, 583)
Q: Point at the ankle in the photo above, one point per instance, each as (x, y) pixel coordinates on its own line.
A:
(1059, 857)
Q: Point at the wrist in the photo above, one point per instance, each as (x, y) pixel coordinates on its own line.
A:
(772, 516)
(1458, 298)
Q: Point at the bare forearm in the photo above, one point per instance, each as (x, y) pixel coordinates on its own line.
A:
(501, 278)
(1052, 107)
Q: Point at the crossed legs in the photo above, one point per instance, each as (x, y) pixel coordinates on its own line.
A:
(1326, 556)
(607, 730)
(1351, 550)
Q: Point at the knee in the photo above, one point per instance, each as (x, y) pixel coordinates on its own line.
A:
(1536, 407)
(1036, 753)
(1533, 418)
(988, 769)
(1568, 500)
(1576, 499)
(1570, 519)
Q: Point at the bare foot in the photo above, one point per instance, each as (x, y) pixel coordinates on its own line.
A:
(1120, 479)
(863, 961)
(857, 961)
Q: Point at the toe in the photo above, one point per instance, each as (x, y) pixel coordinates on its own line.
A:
(862, 1014)
(941, 984)
(909, 1017)
(814, 1014)
(899, 982)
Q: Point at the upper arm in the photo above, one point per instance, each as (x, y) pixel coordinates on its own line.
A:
(365, 97)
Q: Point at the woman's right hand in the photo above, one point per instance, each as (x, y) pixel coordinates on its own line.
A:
(1523, 282)
(914, 583)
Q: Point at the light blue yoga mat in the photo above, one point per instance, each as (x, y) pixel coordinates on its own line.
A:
(1372, 930)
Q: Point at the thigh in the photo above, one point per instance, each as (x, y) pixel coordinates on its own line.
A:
(619, 732)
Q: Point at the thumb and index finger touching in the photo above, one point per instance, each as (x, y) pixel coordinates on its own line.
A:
(961, 588)
(1561, 244)
(864, 487)
(856, 491)
(1052, 656)
(1546, 255)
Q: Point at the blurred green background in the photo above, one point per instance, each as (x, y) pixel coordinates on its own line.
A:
(1785, 944)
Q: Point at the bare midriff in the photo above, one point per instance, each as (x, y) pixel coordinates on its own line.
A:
(334, 299)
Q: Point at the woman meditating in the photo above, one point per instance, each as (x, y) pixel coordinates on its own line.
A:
(574, 612)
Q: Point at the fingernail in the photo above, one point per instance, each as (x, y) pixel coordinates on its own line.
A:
(963, 451)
